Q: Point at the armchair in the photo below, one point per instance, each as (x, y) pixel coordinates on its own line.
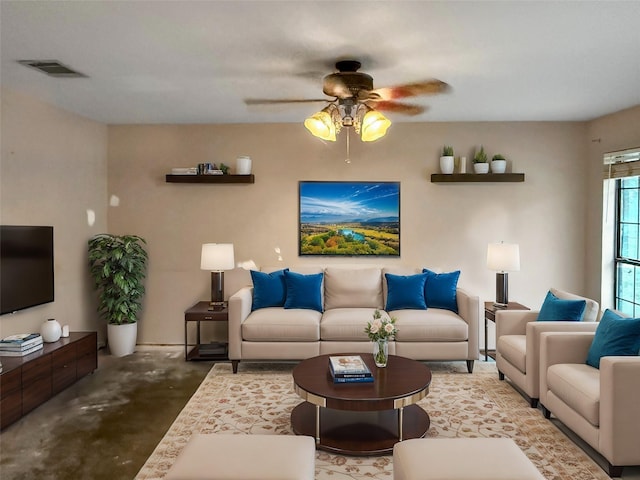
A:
(600, 405)
(518, 342)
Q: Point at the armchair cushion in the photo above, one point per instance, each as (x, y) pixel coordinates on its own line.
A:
(554, 308)
(577, 385)
(269, 289)
(615, 336)
(405, 291)
(440, 290)
(303, 291)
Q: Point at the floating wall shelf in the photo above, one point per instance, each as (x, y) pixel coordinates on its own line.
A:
(476, 177)
(210, 179)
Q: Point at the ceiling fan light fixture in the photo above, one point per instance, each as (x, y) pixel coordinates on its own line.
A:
(322, 124)
(374, 125)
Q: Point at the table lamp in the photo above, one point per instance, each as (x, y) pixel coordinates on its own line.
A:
(217, 257)
(503, 257)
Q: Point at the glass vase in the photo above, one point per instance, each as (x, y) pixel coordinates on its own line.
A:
(381, 352)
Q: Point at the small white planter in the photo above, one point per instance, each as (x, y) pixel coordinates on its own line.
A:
(481, 167)
(498, 166)
(446, 164)
(122, 338)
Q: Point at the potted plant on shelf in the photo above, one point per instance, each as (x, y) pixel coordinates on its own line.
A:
(446, 160)
(498, 164)
(480, 161)
(118, 265)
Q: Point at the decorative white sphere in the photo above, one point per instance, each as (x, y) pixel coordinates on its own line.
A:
(51, 330)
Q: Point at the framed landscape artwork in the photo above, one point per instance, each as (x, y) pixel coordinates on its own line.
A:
(349, 218)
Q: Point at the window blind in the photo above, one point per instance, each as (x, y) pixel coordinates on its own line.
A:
(624, 163)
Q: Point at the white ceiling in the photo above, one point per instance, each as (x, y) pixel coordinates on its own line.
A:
(195, 62)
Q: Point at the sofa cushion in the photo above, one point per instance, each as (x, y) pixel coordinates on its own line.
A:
(440, 290)
(277, 324)
(432, 325)
(554, 308)
(352, 287)
(303, 291)
(615, 336)
(405, 291)
(577, 385)
(346, 324)
(269, 289)
(514, 348)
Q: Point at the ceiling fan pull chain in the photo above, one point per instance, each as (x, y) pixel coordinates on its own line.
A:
(348, 159)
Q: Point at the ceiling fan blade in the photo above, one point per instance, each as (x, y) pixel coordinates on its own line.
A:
(397, 107)
(428, 87)
(267, 101)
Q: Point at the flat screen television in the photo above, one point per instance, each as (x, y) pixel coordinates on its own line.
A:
(26, 267)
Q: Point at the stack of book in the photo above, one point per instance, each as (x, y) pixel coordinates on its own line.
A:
(349, 369)
(20, 344)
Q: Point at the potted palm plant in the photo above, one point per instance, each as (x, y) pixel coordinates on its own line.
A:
(480, 161)
(446, 160)
(118, 265)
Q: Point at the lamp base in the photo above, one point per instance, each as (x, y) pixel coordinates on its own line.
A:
(502, 290)
(217, 291)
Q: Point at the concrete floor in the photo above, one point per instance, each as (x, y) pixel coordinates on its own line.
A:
(107, 424)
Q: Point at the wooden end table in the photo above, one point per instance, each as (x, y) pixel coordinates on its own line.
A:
(200, 313)
(490, 310)
(361, 418)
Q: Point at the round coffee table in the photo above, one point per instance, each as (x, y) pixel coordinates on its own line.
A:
(361, 418)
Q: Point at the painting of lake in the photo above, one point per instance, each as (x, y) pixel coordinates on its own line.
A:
(350, 218)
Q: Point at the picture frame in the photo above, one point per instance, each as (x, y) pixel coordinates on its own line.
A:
(349, 218)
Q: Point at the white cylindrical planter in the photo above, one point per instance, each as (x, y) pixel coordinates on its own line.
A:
(498, 166)
(446, 164)
(481, 167)
(50, 331)
(243, 165)
(122, 338)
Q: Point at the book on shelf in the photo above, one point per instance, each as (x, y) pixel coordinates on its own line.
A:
(20, 353)
(348, 366)
(20, 341)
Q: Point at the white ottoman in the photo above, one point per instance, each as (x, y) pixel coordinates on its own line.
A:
(246, 457)
(461, 459)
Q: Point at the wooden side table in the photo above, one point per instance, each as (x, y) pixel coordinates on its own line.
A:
(490, 316)
(218, 351)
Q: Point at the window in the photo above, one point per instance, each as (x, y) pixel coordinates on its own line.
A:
(627, 256)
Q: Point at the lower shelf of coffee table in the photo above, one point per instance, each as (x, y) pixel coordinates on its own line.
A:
(359, 433)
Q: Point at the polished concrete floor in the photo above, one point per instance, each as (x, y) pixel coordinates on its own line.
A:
(107, 424)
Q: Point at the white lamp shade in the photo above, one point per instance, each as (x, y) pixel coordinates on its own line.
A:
(503, 257)
(217, 257)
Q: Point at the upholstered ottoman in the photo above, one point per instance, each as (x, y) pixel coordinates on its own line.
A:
(461, 459)
(245, 457)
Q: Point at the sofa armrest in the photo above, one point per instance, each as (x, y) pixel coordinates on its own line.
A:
(513, 322)
(469, 311)
(534, 331)
(620, 409)
(561, 347)
(239, 309)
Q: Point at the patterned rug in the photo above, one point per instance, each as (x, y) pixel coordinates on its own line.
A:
(259, 400)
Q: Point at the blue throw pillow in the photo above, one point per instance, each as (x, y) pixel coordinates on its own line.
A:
(269, 289)
(556, 309)
(303, 291)
(615, 336)
(440, 290)
(405, 292)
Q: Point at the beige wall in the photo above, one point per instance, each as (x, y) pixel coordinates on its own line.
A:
(618, 131)
(444, 226)
(52, 169)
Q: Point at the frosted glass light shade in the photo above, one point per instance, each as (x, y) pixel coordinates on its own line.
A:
(374, 126)
(503, 257)
(217, 257)
(321, 125)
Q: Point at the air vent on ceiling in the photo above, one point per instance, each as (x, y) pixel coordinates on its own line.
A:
(52, 68)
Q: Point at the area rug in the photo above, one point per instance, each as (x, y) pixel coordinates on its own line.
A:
(260, 398)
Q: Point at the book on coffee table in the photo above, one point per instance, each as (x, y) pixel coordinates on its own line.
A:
(349, 367)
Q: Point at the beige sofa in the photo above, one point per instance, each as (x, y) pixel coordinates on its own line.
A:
(350, 295)
(600, 405)
(518, 341)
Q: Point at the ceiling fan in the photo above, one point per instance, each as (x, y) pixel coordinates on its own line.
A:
(355, 103)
